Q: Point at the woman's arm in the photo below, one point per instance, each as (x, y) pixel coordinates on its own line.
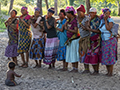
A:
(15, 27)
(108, 25)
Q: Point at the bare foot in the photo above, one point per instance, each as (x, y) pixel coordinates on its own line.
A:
(63, 69)
(85, 71)
(25, 66)
(94, 73)
(74, 70)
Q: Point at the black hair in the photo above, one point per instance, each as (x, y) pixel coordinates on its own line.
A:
(62, 11)
(14, 11)
(71, 12)
(11, 64)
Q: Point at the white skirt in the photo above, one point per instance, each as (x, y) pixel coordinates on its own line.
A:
(72, 52)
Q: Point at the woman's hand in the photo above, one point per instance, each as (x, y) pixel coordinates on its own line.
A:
(105, 17)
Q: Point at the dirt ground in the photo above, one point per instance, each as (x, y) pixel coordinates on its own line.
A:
(45, 79)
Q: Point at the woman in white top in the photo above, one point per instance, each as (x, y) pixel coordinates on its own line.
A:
(37, 46)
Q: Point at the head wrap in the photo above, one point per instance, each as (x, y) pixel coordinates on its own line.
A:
(25, 8)
(52, 10)
(104, 10)
(81, 8)
(70, 8)
(37, 9)
(92, 9)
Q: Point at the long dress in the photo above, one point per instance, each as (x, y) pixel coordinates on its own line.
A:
(62, 36)
(108, 46)
(11, 49)
(93, 55)
(25, 36)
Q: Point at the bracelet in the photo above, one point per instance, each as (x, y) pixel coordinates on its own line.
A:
(46, 20)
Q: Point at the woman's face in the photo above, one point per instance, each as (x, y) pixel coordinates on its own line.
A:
(12, 14)
(80, 14)
(49, 14)
(107, 14)
(92, 15)
(61, 15)
(68, 15)
(23, 11)
(37, 13)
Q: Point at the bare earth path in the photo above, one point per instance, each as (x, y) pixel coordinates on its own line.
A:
(44, 79)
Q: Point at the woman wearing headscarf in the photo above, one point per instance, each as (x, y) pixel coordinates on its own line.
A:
(52, 42)
(72, 54)
(109, 43)
(25, 36)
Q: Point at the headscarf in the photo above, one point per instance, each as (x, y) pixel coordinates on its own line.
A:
(81, 8)
(70, 8)
(37, 9)
(25, 8)
(104, 10)
(52, 10)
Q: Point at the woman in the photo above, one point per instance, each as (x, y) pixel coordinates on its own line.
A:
(52, 42)
(72, 54)
(84, 35)
(93, 55)
(109, 44)
(25, 36)
(62, 36)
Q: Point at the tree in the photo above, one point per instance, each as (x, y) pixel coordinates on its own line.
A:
(71, 2)
(88, 5)
(46, 1)
(11, 5)
(55, 8)
(39, 4)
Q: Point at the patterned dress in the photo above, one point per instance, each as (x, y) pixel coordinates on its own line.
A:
(11, 49)
(25, 36)
(93, 55)
(108, 46)
(37, 46)
(62, 36)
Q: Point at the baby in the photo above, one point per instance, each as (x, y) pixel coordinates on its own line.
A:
(10, 81)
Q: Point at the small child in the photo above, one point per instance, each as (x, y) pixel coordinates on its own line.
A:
(37, 47)
(12, 28)
(10, 75)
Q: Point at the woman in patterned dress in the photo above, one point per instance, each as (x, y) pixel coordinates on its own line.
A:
(109, 44)
(12, 26)
(25, 36)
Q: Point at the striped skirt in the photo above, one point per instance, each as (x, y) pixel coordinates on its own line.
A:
(51, 49)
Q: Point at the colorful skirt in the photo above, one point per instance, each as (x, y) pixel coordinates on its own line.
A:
(109, 51)
(72, 52)
(93, 55)
(51, 49)
(10, 82)
(61, 55)
(37, 49)
(11, 51)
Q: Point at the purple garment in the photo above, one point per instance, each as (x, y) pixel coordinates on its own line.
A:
(11, 50)
(71, 25)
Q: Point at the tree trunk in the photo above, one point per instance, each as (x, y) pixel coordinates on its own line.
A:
(55, 8)
(11, 5)
(39, 4)
(46, 1)
(88, 5)
(118, 8)
(0, 7)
